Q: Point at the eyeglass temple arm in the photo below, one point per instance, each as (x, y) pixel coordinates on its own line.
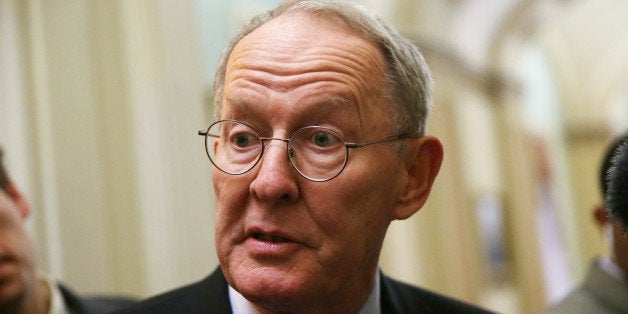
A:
(392, 138)
(204, 133)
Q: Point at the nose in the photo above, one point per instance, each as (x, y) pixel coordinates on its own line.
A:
(276, 180)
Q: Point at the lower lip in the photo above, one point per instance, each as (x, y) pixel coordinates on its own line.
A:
(263, 249)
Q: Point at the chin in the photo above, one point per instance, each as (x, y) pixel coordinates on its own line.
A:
(270, 286)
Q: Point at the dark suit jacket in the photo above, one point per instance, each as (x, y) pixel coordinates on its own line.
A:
(211, 295)
(94, 304)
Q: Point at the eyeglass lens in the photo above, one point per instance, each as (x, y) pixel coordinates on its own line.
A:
(317, 153)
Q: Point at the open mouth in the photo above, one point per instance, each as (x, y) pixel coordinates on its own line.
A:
(269, 238)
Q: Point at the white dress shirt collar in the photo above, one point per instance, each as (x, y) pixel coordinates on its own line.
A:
(57, 304)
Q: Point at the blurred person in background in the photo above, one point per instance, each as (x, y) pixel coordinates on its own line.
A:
(617, 198)
(22, 289)
(605, 288)
(318, 147)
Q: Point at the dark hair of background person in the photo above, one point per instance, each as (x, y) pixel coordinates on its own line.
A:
(617, 193)
(4, 178)
(607, 163)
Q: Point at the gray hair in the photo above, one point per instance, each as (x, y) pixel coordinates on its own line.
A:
(408, 77)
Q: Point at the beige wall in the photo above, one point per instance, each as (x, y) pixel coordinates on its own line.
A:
(109, 101)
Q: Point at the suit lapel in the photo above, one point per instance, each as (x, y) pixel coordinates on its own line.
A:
(214, 294)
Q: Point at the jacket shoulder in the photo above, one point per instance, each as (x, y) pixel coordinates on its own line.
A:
(77, 304)
(209, 295)
(399, 297)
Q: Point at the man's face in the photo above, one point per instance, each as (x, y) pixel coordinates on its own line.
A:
(283, 240)
(17, 254)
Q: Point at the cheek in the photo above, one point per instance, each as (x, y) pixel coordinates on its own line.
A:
(364, 201)
(352, 229)
(231, 192)
(16, 241)
(12, 230)
(369, 192)
(231, 197)
(354, 211)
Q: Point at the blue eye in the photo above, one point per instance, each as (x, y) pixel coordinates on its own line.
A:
(242, 140)
(245, 140)
(322, 139)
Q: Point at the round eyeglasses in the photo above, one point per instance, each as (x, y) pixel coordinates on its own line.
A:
(317, 153)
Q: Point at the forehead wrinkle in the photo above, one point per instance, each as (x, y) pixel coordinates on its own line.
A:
(319, 70)
(282, 56)
(313, 111)
(271, 66)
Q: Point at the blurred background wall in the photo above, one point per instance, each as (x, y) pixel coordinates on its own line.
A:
(100, 102)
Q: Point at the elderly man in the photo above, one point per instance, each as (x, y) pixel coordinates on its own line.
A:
(318, 146)
(22, 290)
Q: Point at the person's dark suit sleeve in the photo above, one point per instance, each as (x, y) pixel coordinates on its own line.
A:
(76, 304)
(401, 298)
(209, 295)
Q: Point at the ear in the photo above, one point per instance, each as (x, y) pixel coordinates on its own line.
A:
(600, 215)
(423, 160)
(18, 198)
